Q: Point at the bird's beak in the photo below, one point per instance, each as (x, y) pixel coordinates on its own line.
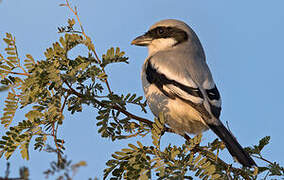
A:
(142, 41)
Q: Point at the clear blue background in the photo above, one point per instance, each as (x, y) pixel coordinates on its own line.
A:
(243, 41)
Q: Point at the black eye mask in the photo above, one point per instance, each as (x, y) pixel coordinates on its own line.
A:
(168, 32)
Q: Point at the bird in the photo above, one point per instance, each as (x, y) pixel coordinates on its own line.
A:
(177, 82)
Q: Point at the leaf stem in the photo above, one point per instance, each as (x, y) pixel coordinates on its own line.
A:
(259, 157)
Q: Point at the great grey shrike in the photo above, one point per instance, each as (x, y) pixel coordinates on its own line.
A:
(178, 82)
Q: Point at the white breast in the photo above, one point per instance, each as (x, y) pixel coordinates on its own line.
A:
(178, 115)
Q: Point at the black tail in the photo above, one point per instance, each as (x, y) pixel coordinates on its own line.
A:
(232, 145)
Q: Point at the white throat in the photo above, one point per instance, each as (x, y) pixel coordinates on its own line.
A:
(160, 44)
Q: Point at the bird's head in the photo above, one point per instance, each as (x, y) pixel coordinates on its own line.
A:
(163, 35)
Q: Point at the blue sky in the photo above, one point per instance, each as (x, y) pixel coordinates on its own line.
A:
(243, 42)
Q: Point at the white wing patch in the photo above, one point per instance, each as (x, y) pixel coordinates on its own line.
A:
(172, 89)
(173, 84)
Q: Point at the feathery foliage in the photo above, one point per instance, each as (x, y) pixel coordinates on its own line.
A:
(43, 89)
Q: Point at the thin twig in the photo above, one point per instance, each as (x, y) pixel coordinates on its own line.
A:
(54, 137)
(7, 172)
(64, 103)
(259, 157)
(266, 175)
(135, 134)
(54, 129)
(17, 73)
(75, 12)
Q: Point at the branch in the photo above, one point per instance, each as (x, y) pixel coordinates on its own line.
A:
(116, 107)
(198, 148)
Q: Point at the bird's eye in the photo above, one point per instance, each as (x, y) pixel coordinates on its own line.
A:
(160, 31)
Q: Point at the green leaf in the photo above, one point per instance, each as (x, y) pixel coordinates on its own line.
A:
(33, 114)
(133, 147)
(215, 176)
(132, 98)
(7, 68)
(29, 62)
(127, 150)
(25, 151)
(71, 22)
(197, 159)
(140, 144)
(113, 57)
(7, 41)
(11, 105)
(174, 153)
(11, 52)
(263, 142)
(275, 169)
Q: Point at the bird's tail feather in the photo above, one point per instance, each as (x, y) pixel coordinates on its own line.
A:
(232, 145)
